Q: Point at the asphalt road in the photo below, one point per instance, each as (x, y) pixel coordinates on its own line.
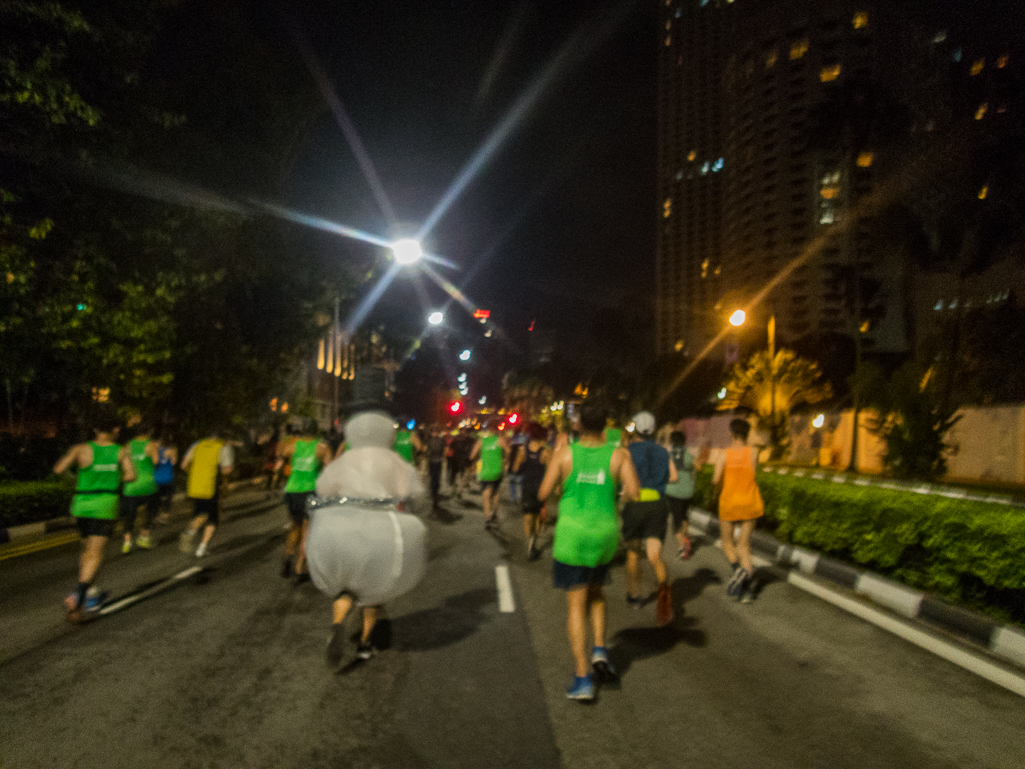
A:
(225, 669)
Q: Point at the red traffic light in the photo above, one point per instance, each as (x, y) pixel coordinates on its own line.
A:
(513, 418)
(455, 407)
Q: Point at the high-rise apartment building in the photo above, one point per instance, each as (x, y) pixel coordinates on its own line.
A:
(780, 122)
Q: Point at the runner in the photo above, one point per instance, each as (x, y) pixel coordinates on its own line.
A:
(459, 461)
(308, 455)
(202, 462)
(142, 491)
(586, 537)
(407, 445)
(614, 436)
(101, 465)
(163, 476)
(435, 460)
(516, 441)
(740, 505)
(490, 450)
(644, 521)
(531, 462)
(679, 494)
(271, 468)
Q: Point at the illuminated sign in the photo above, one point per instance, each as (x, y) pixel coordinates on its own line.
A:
(480, 314)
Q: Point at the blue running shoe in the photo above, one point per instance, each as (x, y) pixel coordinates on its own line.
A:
(582, 689)
(95, 599)
(602, 667)
(736, 583)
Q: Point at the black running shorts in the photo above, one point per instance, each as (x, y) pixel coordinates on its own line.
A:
(296, 501)
(207, 507)
(645, 520)
(678, 510)
(95, 527)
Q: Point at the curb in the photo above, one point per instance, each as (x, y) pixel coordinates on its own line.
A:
(13, 533)
(1004, 642)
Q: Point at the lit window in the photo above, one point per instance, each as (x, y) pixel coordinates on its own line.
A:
(704, 3)
(667, 208)
(941, 36)
(798, 49)
(980, 113)
(1002, 62)
(865, 160)
(860, 20)
(770, 59)
(984, 192)
(977, 66)
(958, 55)
(952, 305)
(718, 270)
(679, 345)
(717, 166)
(830, 73)
(692, 155)
(827, 217)
(704, 168)
(830, 193)
(678, 12)
(679, 176)
(669, 40)
(865, 327)
(668, 25)
(938, 306)
(704, 269)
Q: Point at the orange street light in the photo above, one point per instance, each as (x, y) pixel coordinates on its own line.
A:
(738, 318)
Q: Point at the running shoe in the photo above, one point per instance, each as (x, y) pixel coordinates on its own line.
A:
(664, 605)
(686, 549)
(201, 550)
(365, 650)
(749, 591)
(736, 584)
(126, 546)
(185, 541)
(603, 669)
(582, 689)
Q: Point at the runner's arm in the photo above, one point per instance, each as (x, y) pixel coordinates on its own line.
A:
(323, 453)
(187, 461)
(553, 475)
(477, 448)
(72, 457)
(226, 459)
(625, 473)
(153, 452)
(124, 458)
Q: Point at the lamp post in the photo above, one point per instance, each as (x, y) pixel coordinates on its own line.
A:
(737, 319)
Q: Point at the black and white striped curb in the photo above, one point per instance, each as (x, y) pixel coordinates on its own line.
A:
(1003, 642)
(12, 533)
(951, 492)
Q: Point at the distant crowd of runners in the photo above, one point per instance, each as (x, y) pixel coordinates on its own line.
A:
(612, 486)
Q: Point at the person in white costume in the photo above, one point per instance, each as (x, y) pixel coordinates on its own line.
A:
(364, 547)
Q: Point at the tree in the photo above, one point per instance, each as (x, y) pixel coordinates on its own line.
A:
(912, 420)
(772, 388)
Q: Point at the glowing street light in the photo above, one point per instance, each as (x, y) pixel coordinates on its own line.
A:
(435, 318)
(738, 318)
(464, 355)
(407, 251)
(461, 377)
(818, 421)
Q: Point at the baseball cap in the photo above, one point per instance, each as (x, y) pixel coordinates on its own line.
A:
(644, 422)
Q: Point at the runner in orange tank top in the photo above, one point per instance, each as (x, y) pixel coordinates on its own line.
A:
(740, 504)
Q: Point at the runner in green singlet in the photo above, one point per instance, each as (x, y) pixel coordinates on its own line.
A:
(309, 454)
(587, 536)
(101, 465)
(491, 450)
(407, 445)
(145, 453)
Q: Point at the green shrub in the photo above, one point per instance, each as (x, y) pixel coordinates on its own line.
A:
(32, 501)
(965, 551)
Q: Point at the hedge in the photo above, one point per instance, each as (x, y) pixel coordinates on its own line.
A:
(33, 501)
(965, 551)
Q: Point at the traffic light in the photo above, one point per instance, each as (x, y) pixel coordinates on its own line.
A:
(455, 407)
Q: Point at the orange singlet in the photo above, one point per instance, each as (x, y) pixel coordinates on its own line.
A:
(740, 499)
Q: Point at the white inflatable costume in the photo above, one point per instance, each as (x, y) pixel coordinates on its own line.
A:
(359, 541)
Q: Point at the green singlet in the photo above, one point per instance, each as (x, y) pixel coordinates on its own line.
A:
(490, 459)
(587, 533)
(403, 445)
(96, 495)
(143, 485)
(613, 436)
(305, 468)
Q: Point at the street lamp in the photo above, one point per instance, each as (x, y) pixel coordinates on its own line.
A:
(738, 318)
(406, 251)
(435, 318)
(464, 355)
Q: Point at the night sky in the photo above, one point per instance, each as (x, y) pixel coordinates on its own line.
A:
(558, 224)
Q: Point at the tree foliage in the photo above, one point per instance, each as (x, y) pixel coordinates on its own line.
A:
(772, 387)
